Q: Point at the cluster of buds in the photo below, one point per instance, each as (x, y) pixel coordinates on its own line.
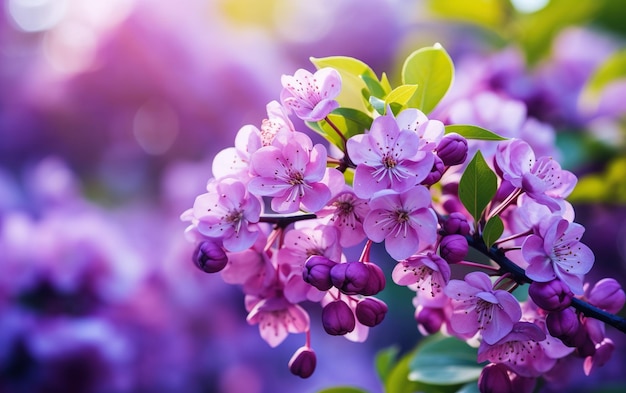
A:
(279, 212)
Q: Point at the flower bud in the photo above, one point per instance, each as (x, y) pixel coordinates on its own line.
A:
(338, 318)
(583, 343)
(430, 319)
(303, 362)
(452, 149)
(608, 295)
(453, 248)
(436, 172)
(317, 272)
(563, 325)
(495, 379)
(553, 295)
(210, 257)
(350, 277)
(376, 281)
(371, 311)
(456, 224)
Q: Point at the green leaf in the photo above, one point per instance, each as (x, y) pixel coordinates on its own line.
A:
(477, 186)
(444, 361)
(384, 362)
(473, 132)
(400, 96)
(354, 74)
(398, 380)
(493, 230)
(343, 389)
(471, 387)
(348, 120)
(377, 104)
(432, 70)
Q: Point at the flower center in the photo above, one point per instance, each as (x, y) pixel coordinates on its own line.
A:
(296, 178)
(402, 216)
(389, 162)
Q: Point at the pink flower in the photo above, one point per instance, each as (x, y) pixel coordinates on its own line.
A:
(519, 351)
(299, 244)
(253, 268)
(427, 274)
(311, 96)
(277, 121)
(477, 307)
(346, 212)
(235, 161)
(276, 317)
(291, 171)
(226, 213)
(404, 221)
(555, 251)
(542, 179)
(387, 158)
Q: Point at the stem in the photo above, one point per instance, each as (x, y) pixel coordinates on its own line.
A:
(519, 275)
(506, 202)
(477, 265)
(365, 255)
(346, 161)
(334, 127)
(283, 221)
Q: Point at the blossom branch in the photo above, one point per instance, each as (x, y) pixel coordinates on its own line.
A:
(282, 221)
(519, 275)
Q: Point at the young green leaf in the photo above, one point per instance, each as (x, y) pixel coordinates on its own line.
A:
(473, 132)
(348, 120)
(400, 96)
(432, 70)
(477, 186)
(493, 230)
(444, 361)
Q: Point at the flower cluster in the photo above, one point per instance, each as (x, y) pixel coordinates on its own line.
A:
(280, 211)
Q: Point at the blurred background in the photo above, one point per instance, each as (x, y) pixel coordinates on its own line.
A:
(111, 112)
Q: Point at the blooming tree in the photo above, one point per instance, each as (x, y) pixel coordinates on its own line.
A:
(280, 211)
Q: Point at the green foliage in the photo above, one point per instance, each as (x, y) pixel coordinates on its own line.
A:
(343, 389)
(473, 132)
(477, 186)
(431, 69)
(384, 362)
(350, 121)
(608, 187)
(611, 70)
(493, 230)
(399, 97)
(445, 361)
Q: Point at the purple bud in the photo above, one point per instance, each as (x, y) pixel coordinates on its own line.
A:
(371, 311)
(430, 319)
(553, 295)
(338, 318)
(303, 362)
(452, 149)
(453, 248)
(317, 272)
(376, 281)
(495, 379)
(608, 295)
(350, 277)
(436, 172)
(583, 343)
(456, 224)
(210, 257)
(563, 325)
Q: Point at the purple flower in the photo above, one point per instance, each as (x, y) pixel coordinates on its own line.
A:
(495, 379)
(607, 294)
(277, 121)
(338, 318)
(453, 248)
(387, 158)
(346, 212)
(452, 149)
(225, 213)
(235, 161)
(404, 221)
(303, 362)
(291, 171)
(276, 317)
(477, 307)
(210, 257)
(519, 350)
(427, 274)
(556, 251)
(371, 311)
(311, 96)
(317, 272)
(552, 295)
(542, 179)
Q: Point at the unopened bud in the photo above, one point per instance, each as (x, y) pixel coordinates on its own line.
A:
(303, 362)
(376, 281)
(452, 149)
(430, 319)
(553, 295)
(350, 277)
(563, 325)
(210, 257)
(317, 272)
(608, 295)
(453, 248)
(495, 379)
(436, 172)
(371, 311)
(456, 224)
(337, 318)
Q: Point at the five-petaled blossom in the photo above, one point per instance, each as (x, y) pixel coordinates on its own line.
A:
(556, 251)
(346, 212)
(311, 96)
(541, 179)
(427, 274)
(387, 157)
(226, 213)
(291, 171)
(404, 221)
(477, 307)
(276, 317)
